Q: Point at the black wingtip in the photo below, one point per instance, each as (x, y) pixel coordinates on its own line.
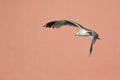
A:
(90, 53)
(44, 25)
(49, 24)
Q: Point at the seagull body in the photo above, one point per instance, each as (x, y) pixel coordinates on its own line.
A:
(82, 32)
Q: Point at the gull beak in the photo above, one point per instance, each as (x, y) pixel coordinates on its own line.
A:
(75, 34)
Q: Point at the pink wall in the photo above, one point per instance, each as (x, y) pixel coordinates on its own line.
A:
(30, 52)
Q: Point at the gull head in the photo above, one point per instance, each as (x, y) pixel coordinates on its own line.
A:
(77, 34)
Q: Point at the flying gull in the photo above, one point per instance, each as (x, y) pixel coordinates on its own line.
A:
(82, 32)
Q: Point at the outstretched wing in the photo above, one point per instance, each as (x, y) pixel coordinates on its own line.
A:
(60, 23)
(94, 37)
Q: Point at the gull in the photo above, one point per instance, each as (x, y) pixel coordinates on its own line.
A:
(82, 30)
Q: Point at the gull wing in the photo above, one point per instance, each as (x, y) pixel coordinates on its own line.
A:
(94, 37)
(60, 23)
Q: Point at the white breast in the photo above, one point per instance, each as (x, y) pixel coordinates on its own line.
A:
(83, 32)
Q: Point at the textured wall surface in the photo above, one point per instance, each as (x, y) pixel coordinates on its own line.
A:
(30, 52)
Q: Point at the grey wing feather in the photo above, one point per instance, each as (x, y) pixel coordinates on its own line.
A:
(95, 36)
(60, 23)
(81, 26)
